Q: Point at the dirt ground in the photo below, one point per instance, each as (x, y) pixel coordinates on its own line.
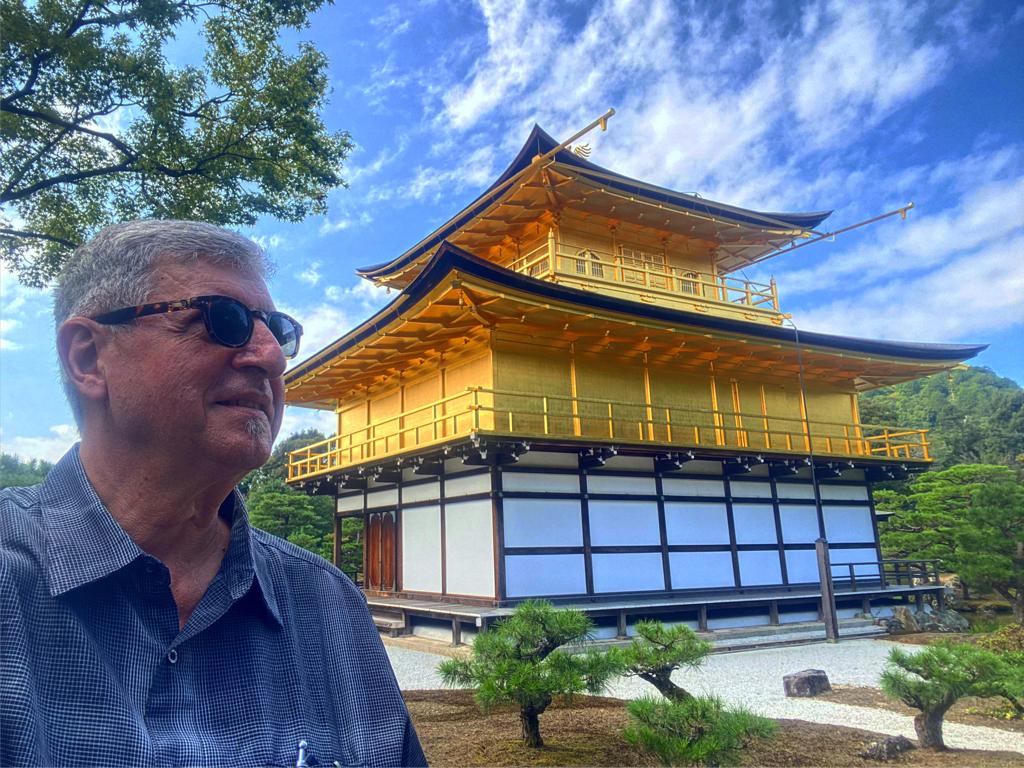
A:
(455, 733)
(970, 711)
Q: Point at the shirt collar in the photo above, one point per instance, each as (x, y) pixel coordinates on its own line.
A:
(84, 543)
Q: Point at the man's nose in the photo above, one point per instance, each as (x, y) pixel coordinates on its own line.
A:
(263, 351)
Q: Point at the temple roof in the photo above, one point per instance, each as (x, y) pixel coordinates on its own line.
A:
(742, 235)
(868, 363)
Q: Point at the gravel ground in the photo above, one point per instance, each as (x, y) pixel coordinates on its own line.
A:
(754, 679)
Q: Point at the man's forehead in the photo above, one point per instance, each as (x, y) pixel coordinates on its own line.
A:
(202, 278)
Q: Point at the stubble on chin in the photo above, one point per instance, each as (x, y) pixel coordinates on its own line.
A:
(257, 429)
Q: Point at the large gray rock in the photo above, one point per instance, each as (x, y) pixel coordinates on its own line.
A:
(907, 617)
(889, 748)
(809, 682)
(943, 621)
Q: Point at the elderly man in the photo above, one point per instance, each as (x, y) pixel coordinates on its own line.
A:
(144, 622)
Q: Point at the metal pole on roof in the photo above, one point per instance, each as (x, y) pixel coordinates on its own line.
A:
(901, 211)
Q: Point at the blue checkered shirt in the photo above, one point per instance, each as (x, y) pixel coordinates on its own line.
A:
(95, 671)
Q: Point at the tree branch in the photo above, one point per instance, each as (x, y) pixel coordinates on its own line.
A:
(64, 178)
(37, 236)
(60, 122)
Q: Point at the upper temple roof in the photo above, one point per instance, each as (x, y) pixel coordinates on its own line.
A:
(529, 189)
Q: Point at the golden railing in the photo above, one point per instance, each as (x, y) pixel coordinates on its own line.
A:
(483, 410)
(634, 274)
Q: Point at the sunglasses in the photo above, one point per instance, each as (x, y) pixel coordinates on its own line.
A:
(228, 321)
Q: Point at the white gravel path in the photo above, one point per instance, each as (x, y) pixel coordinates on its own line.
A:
(754, 679)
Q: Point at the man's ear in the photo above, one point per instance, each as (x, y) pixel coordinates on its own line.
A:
(79, 342)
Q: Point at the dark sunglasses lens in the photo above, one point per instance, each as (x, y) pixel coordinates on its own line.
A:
(284, 330)
(230, 322)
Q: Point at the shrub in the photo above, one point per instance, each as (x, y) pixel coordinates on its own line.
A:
(517, 662)
(933, 679)
(696, 731)
(1009, 639)
(658, 651)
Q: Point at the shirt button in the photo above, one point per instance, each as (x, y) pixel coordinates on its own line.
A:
(172, 656)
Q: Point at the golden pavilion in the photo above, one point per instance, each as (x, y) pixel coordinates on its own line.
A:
(574, 396)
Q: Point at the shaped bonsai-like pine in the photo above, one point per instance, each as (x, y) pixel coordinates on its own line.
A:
(658, 651)
(518, 662)
(934, 679)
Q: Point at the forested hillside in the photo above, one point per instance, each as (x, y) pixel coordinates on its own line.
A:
(974, 416)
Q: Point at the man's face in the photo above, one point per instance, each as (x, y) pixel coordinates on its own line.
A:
(173, 389)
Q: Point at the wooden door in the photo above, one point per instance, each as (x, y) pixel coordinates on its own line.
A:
(387, 552)
(380, 552)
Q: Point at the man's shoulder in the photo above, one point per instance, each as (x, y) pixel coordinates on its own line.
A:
(294, 561)
(20, 514)
(22, 536)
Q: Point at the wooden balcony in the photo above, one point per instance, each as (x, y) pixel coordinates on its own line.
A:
(478, 410)
(641, 280)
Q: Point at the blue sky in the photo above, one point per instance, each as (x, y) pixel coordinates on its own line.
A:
(778, 106)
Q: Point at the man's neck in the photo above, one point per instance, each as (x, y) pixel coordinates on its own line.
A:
(169, 514)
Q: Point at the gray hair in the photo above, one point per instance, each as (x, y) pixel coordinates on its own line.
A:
(118, 268)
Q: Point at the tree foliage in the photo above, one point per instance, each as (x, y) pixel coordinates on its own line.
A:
(98, 124)
(14, 472)
(697, 731)
(973, 415)
(990, 543)
(932, 509)
(518, 662)
(307, 521)
(658, 651)
(934, 679)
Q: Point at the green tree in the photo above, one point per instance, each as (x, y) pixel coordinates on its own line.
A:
(933, 510)
(14, 472)
(697, 731)
(658, 651)
(97, 125)
(990, 544)
(934, 679)
(973, 415)
(307, 521)
(518, 662)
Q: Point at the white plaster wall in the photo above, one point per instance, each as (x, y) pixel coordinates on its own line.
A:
(692, 570)
(848, 524)
(802, 566)
(865, 555)
(539, 483)
(527, 575)
(760, 568)
(628, 572)
(748, 489)
(623, 523)
(799, 523)
(689, 522)
(677, 486)
(794, 491)
(754, 523)
(421, 549)
(386, 497)
(425, 492)
(634, 463)
(548, 459)
(542, 523)
(610, 484)
(469, 556)
(464, 486)
(844, 492)
(700, 468)
(351, 502)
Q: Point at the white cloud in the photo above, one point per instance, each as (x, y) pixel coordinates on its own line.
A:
(268, 242)
(321, 325)
(311, 275)
(47, 448)
(18, 302)
(329, 227)
(300, 419)
(974, 293)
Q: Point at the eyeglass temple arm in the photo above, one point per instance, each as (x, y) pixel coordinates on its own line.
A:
(130, 313)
